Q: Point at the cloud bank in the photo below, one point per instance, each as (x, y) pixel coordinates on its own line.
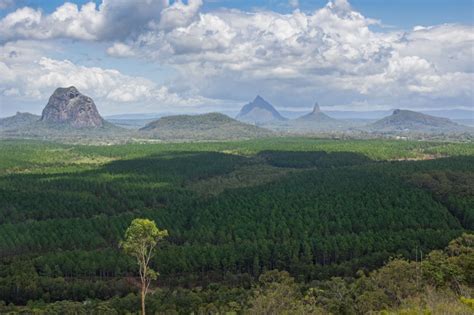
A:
(334, 54)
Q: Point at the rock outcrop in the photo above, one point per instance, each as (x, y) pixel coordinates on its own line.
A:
(68, 106)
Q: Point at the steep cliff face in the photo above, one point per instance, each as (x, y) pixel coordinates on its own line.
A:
(69, 106)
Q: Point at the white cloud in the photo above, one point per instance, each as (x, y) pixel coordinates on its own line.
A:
(112, 19)
(120, 50)
(333, 53)
(179, 14)
(67, 21)
(27, 76)
(448, 46)
(332, 49)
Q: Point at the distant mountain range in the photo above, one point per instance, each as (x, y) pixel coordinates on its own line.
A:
(69, 113)
(212, 126)
(453, 114)
(400, 121)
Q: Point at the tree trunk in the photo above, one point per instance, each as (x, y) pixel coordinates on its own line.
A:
(143, 299)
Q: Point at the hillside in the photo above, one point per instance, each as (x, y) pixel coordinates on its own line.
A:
(19, 120)
(259, 111)
(410, 121)
(212, 126)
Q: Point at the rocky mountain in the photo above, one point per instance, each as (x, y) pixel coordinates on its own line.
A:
(316, 116)
(410, 121)
(259, 111)
(212, 126)
(69, 107)
(20, 120)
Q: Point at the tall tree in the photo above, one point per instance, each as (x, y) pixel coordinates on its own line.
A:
(141, 239)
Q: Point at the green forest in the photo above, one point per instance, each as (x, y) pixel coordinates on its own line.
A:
(266, 226)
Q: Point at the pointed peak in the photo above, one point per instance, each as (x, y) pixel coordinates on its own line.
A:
(258, 98)
(316, 108)
(267, 111)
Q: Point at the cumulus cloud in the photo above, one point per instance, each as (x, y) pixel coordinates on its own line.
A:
(333, 53)
(67, 21)
(120, 50)
(112, 19)
(448, 46)
(330, 50)
(26, 75)
(179, 14)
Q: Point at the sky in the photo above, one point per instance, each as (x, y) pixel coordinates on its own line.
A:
(150, 56)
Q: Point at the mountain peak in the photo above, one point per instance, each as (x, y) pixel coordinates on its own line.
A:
(259, 111)
(316, 116)
(69, 106)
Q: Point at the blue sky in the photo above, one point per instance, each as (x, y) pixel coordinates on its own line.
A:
(152, 56)
(400, 13)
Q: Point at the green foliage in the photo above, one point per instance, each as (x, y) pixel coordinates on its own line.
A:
(453, 189)
(453, 266)
(278, 293)
(395, 288)
(319, 209)
(141, 237)
(468, 302)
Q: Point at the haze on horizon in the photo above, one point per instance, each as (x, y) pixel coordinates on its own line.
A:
(141, 56)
